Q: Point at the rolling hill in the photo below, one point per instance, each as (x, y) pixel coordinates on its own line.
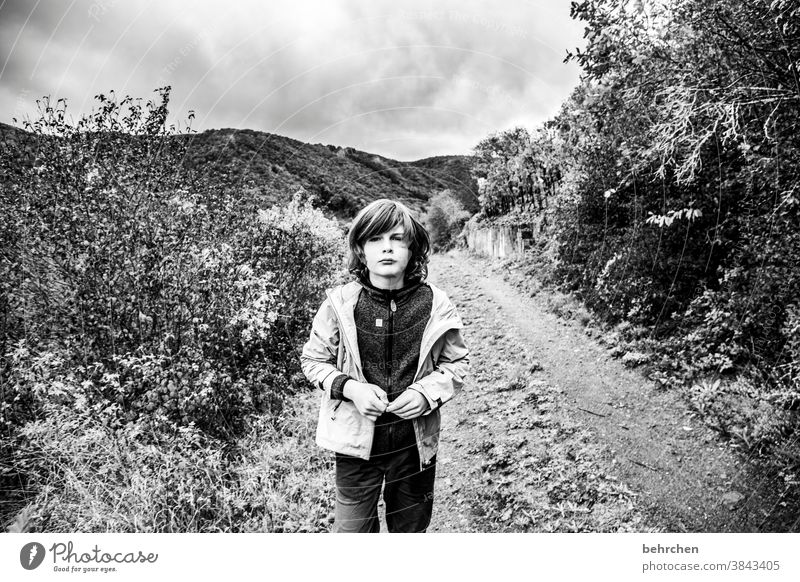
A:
(273, 167)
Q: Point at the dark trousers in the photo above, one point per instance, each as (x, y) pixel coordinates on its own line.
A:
(408, 492)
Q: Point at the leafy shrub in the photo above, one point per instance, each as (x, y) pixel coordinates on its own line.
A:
(154, 295)
(741, 411)
(123, 269)
(444, 219)
(791, 331)
(669, 183)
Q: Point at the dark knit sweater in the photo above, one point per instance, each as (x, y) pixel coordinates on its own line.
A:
(389, 343)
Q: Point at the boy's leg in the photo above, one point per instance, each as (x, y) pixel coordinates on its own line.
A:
(408, 492)
(358, 487)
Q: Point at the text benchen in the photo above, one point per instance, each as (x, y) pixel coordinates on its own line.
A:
(676, 549)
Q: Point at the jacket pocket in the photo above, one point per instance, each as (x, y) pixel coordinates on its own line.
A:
(340, 423)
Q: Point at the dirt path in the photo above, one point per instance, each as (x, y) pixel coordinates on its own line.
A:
(552, 434)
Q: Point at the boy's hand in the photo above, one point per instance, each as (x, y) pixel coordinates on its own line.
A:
(369, 399)
(410, 404)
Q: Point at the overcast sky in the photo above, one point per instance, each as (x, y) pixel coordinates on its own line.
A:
(404, 79)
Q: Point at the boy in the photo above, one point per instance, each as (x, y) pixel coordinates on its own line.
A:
(387, 352)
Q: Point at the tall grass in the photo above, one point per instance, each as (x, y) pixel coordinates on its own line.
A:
(156, 477)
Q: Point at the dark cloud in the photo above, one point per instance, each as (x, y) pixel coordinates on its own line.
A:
(405, 80)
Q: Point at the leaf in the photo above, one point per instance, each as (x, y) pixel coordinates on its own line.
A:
(22, 522)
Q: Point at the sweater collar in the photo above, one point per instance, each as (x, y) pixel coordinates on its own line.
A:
(409, 286)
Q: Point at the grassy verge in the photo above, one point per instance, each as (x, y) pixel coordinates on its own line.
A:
(85, 476)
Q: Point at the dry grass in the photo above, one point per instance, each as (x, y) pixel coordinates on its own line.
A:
(85, 476)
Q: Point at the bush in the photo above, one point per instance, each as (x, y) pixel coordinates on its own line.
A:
(444, 219)
(146, 293)
(741, 411)
(669, 181)
(791, 331)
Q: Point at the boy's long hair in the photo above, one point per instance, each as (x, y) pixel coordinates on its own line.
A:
(379, 217)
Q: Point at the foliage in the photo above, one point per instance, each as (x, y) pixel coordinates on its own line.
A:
(156, 476)
(791, 330)
(150, 294)
(672, 187)
(515, 171)
(444, 219)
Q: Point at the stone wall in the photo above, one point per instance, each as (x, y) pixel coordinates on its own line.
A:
(499, 241)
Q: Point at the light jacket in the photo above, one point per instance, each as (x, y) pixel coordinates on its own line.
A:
(332, 349)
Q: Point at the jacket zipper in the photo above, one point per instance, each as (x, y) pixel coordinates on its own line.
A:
(390, 332)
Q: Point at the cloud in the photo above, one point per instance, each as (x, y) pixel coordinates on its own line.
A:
(405, 80)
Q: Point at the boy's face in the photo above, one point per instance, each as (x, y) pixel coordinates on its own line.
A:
(387, 254)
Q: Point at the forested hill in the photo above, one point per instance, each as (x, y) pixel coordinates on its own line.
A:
(342, 179)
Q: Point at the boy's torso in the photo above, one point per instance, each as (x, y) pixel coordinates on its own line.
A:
(390, 327)
(341, 428)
